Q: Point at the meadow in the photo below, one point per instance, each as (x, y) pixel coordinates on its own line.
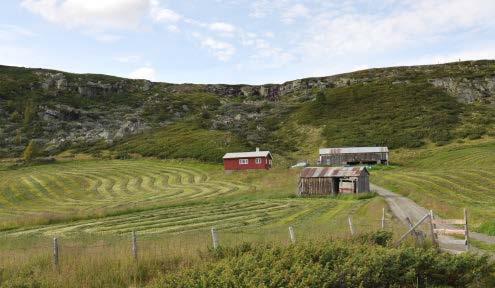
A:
(152, 197)
(447, 179)
(92, 206)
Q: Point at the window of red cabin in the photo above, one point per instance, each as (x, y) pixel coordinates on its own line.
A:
(258, 160)
(243, 161)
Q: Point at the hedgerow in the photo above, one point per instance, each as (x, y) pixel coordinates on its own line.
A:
(334, 264)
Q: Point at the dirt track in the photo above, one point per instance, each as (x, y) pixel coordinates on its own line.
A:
(403, 207)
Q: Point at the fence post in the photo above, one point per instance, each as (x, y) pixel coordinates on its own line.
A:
(214, 237)
(55, 252)
(350, 225)
(432, 230)
(467, 230)
(292, 234)
(134, 246)
(383, 218)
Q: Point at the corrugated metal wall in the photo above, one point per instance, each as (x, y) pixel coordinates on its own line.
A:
(344, 159)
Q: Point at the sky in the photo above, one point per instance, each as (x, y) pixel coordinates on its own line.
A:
(241, 41)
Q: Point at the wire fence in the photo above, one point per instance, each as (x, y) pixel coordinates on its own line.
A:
(136, 246)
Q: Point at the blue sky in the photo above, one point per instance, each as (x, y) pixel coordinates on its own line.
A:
(240, 41)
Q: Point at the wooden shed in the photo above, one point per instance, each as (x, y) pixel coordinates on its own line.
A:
(353, 156)
(333, 180)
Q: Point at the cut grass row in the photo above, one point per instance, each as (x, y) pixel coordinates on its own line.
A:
(85, 187)
(154, 197)
(447, 179)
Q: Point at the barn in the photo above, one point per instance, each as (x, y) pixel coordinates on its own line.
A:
(353, 156)
(247, 160)
(333, 180)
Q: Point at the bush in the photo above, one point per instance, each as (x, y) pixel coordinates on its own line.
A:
(381, 237)
(30, 152)
(334, 264)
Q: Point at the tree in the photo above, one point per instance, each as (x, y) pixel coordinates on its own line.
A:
(30, 151)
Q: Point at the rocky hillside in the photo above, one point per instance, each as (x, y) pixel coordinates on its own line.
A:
(398, 107)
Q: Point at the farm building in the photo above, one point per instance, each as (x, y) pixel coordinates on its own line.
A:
(247, 160)
(333, 180)
(353, 156)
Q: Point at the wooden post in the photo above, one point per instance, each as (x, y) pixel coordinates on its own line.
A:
(214, 237)
(55, 253)
(432, 230)
(467, 229)
(292, 234)
(350, 225)
(383, 218)
(134, 246)
(412, 228)
(413, 231)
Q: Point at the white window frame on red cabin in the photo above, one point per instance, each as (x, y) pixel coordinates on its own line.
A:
(258, 160)
(243, 161)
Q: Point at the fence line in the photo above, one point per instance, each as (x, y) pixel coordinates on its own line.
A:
(145, 245)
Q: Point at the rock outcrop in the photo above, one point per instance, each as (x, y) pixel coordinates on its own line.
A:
(469, 90)
(82, 108)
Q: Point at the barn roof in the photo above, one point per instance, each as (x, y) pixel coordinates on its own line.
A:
(317, 172)
(247, 154)
(350, 150)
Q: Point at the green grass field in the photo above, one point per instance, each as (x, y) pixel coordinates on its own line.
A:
(447, 179)
(154, 197)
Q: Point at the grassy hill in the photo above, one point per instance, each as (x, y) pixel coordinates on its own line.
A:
(395, 107)
(447, 179)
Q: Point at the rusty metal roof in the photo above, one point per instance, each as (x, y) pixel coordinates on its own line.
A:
(350, 150)
(318, 172)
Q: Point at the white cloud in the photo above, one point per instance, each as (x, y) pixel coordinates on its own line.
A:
(222, 27)
(485, 53)
(104, 37)
(221, 50)
(128, 59)
(417, 23)
(173, 28)
(93, 14)
(261, 8)
(269, 56)
(160, 14)
(146, 72)
(293, 12)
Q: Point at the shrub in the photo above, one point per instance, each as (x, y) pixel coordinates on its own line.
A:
(30, 152)
(334, 264)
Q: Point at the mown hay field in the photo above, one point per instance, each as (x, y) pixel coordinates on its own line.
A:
(154, 197)
(447, 179)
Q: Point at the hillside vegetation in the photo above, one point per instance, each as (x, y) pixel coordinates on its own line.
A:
(396, 107)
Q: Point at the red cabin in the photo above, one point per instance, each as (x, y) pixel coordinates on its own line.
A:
(247, 160)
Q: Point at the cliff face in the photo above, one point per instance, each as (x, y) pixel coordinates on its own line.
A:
(59, 109)
(469, 90)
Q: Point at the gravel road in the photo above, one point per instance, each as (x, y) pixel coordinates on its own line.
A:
(403, 207)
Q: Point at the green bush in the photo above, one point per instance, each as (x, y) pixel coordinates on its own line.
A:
(334, 264)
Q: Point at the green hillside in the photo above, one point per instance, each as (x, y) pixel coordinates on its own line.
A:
(447, 179)
(395, 107)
